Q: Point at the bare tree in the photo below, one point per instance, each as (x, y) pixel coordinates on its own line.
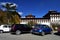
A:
(9, 8)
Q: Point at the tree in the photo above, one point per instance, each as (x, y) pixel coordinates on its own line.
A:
(31, 23)
(15, 18)
(55, 25)
(9, 6)
(3, 18)
(11, 13)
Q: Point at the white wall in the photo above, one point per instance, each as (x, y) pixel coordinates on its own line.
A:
(46, 23)
(23, 23)
(55, 18)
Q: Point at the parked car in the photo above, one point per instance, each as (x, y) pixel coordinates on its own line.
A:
(41, 29)
(19, 28)
(5, 28)
(58, 30)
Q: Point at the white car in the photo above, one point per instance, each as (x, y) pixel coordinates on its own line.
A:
(5, 28)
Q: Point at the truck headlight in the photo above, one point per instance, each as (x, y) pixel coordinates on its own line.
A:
(40, 30)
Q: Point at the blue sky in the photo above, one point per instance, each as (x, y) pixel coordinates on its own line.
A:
(35, 7)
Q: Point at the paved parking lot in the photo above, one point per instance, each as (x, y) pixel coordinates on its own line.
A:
(8, 36)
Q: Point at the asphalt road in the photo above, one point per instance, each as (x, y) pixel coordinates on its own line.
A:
(8, 36)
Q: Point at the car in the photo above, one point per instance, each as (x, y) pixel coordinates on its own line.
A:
(41, 29)
(58, 30)
(19, 28)
(5, 28)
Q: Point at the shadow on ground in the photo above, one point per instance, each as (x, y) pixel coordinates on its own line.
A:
(58, 34)
(40, 34)
(21, 33)
(37, 34)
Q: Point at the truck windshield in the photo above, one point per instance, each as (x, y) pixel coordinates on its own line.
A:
(40, 26)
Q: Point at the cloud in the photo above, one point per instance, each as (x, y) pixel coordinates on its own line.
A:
(23, 17)
(3, 9)
(13, 5)
(4, 3)
(20, 13)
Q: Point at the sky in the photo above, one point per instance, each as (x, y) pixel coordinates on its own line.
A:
(35, 7)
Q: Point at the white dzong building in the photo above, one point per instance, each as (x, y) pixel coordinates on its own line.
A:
(51, 17)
